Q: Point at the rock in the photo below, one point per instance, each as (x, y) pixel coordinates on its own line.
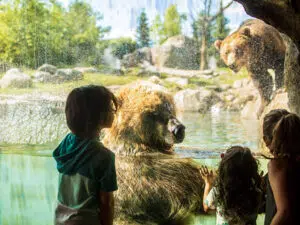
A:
(216, 108)
(86, 69)
(138, 56)
(47, 68)
(199, 100)
(63, 75)
(279, 101)
(215, 74)
(144, 72)
(179, 52)
(177, 80)
(129, 60)
(225, 87)
(207, 72)
(114, 88)
(15, 78)
(237, 84)
(247, 82)
(251, 109)
(144, 54)
(43, 77)
(118, 72)
(229, 97)
(149, 86)
(155, 80)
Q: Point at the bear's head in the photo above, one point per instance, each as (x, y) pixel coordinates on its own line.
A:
(145, 121)
(236, 49)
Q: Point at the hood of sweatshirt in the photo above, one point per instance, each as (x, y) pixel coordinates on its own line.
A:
(73, 152)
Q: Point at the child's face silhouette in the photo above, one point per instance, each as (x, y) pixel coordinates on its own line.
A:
(109, 120)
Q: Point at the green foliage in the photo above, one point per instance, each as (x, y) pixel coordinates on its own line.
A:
(122, 46)
(34, 33)
(143, 33)
(157, 30)
(220, 32)
(171, 26)
(172, 22)
(212, 30)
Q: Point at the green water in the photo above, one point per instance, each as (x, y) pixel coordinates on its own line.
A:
(28, 178)
(29, 186)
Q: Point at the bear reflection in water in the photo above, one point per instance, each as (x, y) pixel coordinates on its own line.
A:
(155, 186)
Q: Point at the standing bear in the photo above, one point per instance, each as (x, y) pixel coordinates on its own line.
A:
(259, 47)
(155, 185)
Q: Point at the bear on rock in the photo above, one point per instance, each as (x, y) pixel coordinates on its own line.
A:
(259, 47)
(156, 186)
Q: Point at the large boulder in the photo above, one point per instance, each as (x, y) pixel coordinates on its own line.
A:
(177, 52)
(251, 109)
(199, 100)
(15, 78)
(155, 80)
(60, 76)
(43, 77)
(138, 56)
(47, 68)
(64, 75)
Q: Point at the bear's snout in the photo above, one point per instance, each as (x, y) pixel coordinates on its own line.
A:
(177, 129)
(179, 133)
(233, 67)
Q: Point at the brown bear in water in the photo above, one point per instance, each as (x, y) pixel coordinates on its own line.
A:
(259, 47)
(155, 185)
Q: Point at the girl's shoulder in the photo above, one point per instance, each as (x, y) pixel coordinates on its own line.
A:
(278, 165)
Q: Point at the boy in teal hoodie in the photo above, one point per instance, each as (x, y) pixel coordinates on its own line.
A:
(87, 175)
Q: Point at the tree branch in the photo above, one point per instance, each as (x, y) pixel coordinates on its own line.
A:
(220, 11)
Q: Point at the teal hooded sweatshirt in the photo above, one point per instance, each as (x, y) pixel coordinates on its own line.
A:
(85, 168)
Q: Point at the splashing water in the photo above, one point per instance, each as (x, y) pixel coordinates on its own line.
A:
(110, 60)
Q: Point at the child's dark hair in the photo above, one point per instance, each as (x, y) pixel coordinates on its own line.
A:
(238, 185)
(270, 120)
(87, 108)
(286, 137)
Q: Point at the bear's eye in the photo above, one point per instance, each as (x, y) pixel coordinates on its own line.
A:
(227, 52)
(159, 118)
(239, 52)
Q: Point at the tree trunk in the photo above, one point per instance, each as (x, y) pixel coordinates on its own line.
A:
(203, 54)
(292, 76)
(285, 16)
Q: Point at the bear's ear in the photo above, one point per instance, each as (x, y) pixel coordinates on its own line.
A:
(218, 44)
(246, 32)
